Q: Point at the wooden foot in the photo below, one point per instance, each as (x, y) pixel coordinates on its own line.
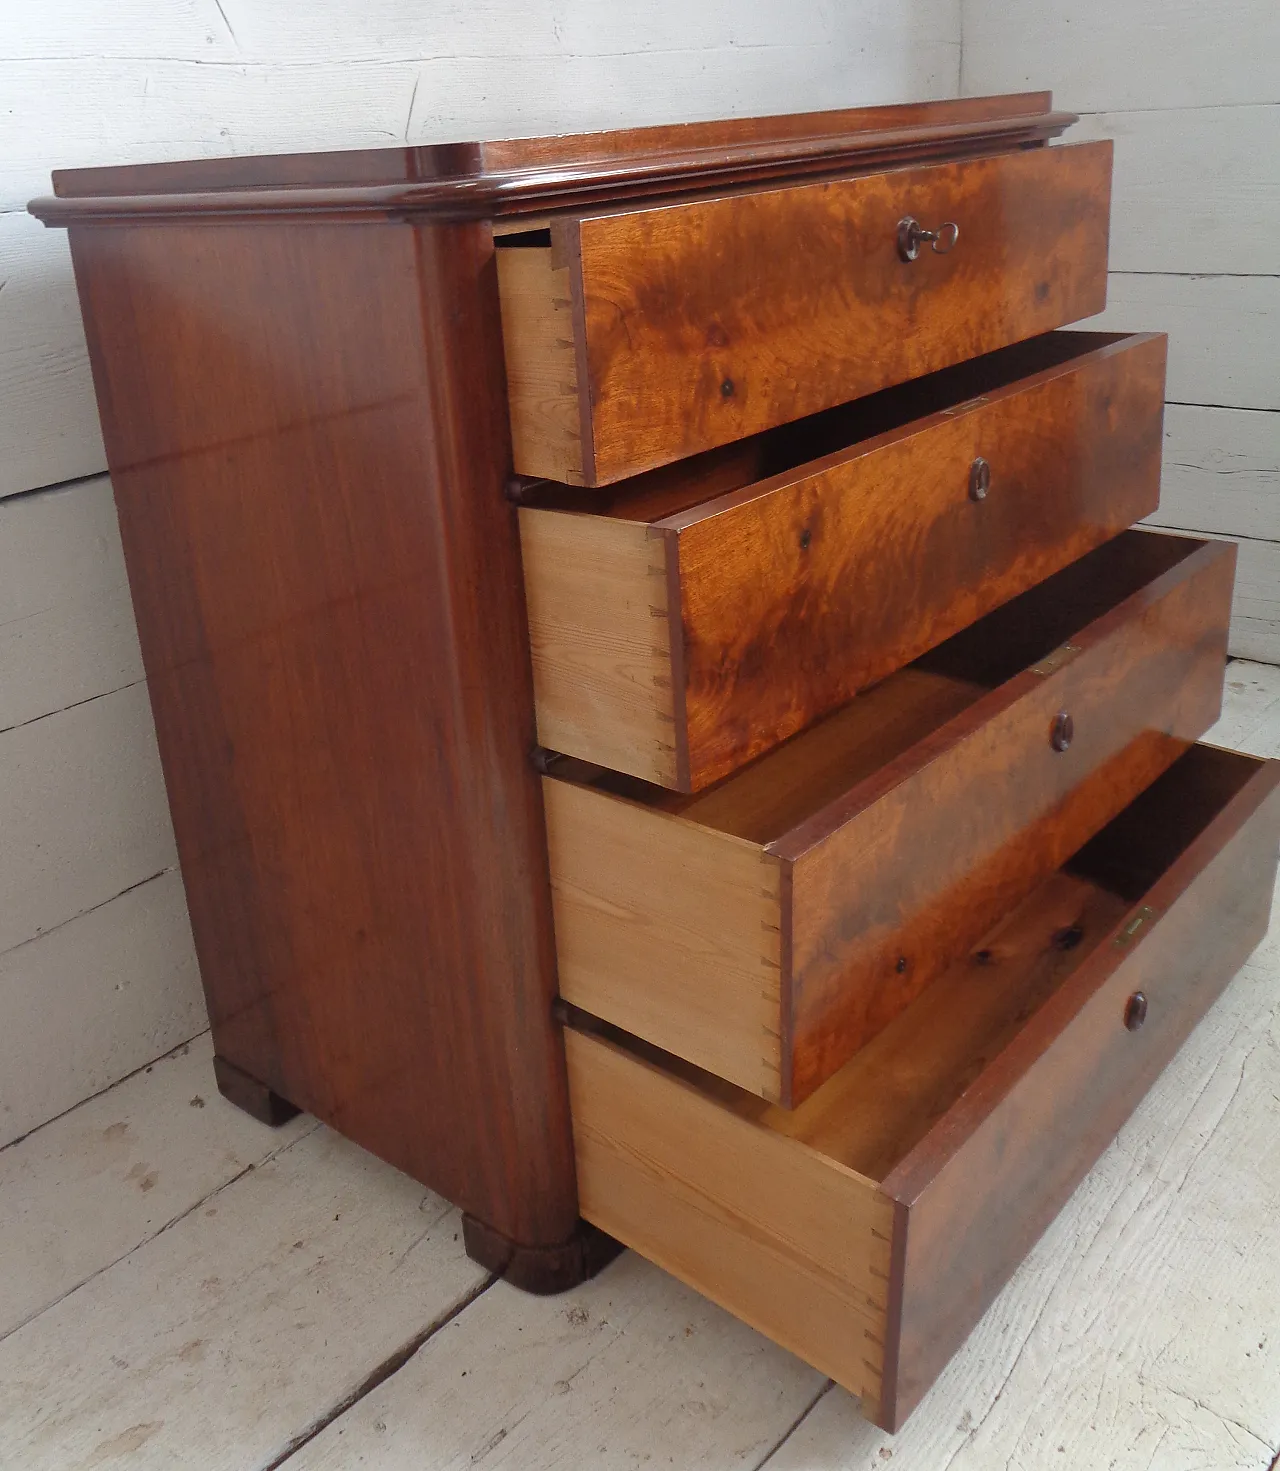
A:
(544, 1270)
(254, 1097)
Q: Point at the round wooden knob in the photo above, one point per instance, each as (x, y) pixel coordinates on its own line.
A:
(1064, 729)
(1135, 1011)
(979, 479)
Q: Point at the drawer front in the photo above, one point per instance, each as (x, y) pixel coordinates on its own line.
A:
(770, 961)
(792, 602)
(979, 1191)
(885, 899)
(876, 1275)
(670, 330)
(680, 648)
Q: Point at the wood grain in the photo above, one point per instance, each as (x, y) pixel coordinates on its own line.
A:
(896, 879)
(825, 556)
(542, 363)
(674, 143)
(599, 630)
(307, 437)
(792, 1242)
(797, 594)
(892, 862)
(951, 1110)
(454, 182)
(982, 1186)
(669, 929)
(680, 301)
(1190, 1179)
(884, 1101)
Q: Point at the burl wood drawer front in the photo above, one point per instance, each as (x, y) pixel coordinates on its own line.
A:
(637, 337)
(869, 1230)
(770, 927)
(695, 618)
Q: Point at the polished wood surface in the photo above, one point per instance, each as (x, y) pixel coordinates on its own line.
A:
(893, 881)
(864, 856)
(820, 558)
(307, 437)
(611, 553)
(479, 180)
(701, 322)
(985, 1183)
(972, 1117)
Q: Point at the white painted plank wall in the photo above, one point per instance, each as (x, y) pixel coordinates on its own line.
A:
(97, 974)
(136, 81)
(1191, 95)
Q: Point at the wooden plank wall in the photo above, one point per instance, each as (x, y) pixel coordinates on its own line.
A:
(96, 970)
(1191, 94)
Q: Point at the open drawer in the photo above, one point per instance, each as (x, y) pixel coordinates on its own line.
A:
(700, 615)
(869, 1229)
(769, 927)
(641, 335)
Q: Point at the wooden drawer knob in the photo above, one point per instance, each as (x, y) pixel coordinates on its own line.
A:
(1135, 1011)
(1064, 729)
(912, 235)
(979, 479)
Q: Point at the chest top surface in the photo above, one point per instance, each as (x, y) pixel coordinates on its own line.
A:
(475, 180)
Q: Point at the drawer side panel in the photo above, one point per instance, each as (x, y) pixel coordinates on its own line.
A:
(542, 364)
(669, 930)
(784, 1238)
(596, 591)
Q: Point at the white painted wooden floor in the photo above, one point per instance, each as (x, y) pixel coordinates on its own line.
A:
(180, 1286)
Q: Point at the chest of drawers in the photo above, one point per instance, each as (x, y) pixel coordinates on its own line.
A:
(670, 736)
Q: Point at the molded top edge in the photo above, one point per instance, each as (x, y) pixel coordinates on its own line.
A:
(515, 176)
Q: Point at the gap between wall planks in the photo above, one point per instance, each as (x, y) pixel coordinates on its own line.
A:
(136, 82)
(139, 82)
(1143, 1331)
(1195, 244)
(97, 970)
(152, 83)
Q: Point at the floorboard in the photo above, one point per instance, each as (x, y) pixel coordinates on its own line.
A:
(629, 1369)
(89, 1187)
(224, 1339)
(182, 1287)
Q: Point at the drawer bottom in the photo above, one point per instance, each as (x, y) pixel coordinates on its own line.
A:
(869, 1229)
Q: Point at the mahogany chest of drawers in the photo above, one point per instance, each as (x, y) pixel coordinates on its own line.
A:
(670, 735)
